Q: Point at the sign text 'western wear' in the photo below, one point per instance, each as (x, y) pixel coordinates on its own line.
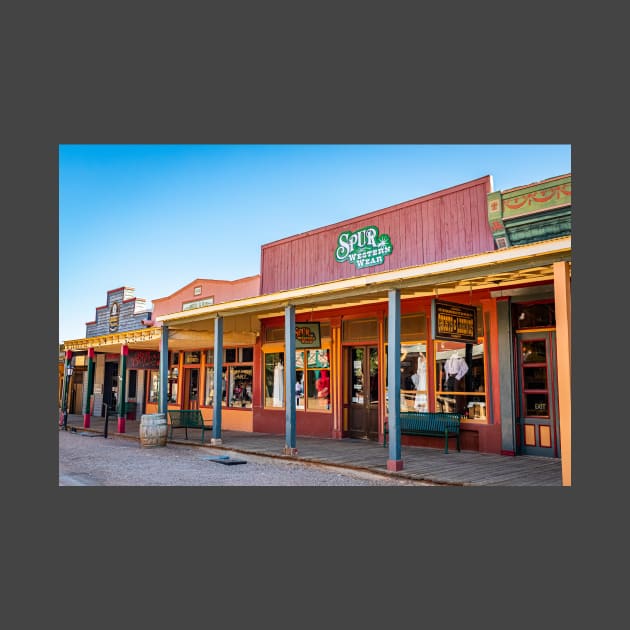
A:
(363, 248)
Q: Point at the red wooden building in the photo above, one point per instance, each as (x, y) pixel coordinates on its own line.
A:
(470, 285)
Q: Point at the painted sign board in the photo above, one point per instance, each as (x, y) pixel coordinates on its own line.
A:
(453, 322)
(197, 303)
(114, 317)
(307, 335)
(143, 360)
(363, 248)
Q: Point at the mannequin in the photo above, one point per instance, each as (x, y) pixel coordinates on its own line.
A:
(455, 369)
(278, 385)
(419, 380)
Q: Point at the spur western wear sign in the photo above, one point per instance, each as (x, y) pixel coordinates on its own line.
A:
(363, 248)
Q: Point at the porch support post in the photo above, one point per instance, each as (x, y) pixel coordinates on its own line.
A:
(393, 380)
(122, 379)
(90, 389)
(64, 393)
(163, 374)
(217, 382)
(289, 373)
(562, 295)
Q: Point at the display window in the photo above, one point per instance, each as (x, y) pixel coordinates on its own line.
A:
(237, 378)
(317, 391)
(312, 379)
(173, 378)
(460, 379)
(274, 379)
(413, 377)
(154, 386)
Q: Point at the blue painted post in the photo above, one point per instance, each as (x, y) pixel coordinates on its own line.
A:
(393, 380)
(218, 381)
(289, 372)
(163, 393)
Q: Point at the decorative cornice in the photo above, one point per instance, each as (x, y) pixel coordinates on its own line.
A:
(540, 198)
(141, 335)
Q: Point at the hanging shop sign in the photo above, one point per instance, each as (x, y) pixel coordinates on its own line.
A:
(114, 317)
(363, 248)
(307, 335)
(143, 360)
(453, 322)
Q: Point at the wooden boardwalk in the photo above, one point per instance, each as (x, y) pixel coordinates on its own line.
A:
(466, 468)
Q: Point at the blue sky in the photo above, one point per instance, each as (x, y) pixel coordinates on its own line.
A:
(156, 217)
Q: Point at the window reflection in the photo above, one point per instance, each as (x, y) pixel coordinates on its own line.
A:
(535, 377)
(536, 405)
(534, 351)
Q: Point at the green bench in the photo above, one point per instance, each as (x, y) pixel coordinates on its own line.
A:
(429, 423)
(187, 419)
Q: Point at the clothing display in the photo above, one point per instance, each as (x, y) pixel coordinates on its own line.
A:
(455, 366)
(419, 380)
(322, 384)
(278, 385)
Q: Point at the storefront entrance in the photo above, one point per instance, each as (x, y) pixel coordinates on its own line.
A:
(110, 387)
(537, 416)
(362, 394)
(191, 389)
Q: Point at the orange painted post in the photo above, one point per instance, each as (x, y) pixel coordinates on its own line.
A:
(562, 294)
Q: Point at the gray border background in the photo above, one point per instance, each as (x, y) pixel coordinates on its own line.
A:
(268, 73)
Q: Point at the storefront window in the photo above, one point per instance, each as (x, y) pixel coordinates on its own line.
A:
(413, 377)
(312, 379)
(460, 379)
(240, 382)
(237, 379)
(173, 375)
(154, 386)
(318, 379)
(208, 399)
(274, 379)
(300, 385)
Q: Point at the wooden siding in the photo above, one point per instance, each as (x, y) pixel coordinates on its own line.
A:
(440, 226)
(130, 315)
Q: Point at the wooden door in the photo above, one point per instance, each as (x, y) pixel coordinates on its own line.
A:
(191, 389)
(538, 426)
(362, 384)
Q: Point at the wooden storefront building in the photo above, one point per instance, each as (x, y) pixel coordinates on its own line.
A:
(470, 286)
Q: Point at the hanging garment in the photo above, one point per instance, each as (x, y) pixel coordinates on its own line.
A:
(278, 385)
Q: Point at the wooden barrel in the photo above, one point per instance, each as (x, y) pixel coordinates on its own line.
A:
(153, 429)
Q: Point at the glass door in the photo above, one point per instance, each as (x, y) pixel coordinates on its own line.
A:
(538, 429)
(363, 394)
(191, 388)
